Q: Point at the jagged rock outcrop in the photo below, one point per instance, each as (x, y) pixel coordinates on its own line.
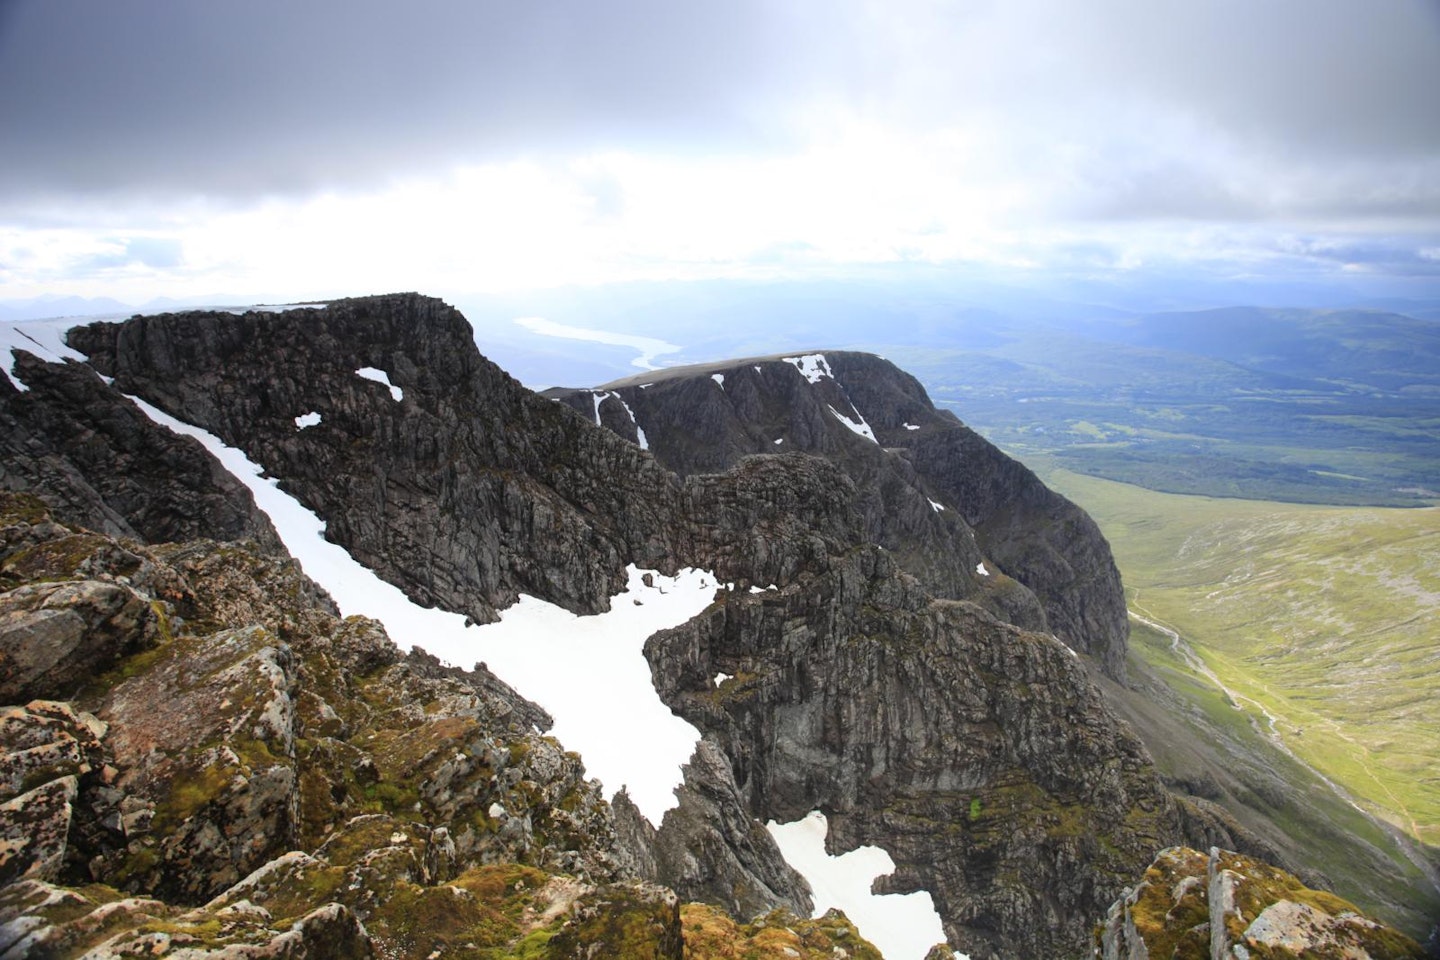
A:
(465, 492)
(1226, 906)
(712, 849)
(933, 492)
(976, 754)
(872, 680)
(101, 463)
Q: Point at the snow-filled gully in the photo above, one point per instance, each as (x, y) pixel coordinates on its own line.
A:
(580, 669)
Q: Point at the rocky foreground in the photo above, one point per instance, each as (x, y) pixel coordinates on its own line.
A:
(210, 762)
(1193, 906)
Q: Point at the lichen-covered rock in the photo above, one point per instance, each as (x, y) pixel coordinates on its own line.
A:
(45, 740)
(54, 637)
(1226, 906)
(41, 920)
(34, 829)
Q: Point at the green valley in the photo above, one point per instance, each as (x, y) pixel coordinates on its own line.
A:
(1313, 626)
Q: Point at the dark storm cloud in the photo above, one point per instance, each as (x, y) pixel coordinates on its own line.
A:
(1104, 109)
(277, 95)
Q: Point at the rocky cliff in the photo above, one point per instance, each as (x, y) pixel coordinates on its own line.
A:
(896, 667)
(933, 492)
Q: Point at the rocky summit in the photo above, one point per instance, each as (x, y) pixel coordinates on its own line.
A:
(202, 757)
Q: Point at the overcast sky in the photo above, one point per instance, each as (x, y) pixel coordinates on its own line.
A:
(308, 149)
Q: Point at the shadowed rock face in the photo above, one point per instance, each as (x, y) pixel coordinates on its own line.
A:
(1056, 570)
(878, 680)
(103, 464)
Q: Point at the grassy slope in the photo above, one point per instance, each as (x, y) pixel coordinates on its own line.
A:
(1326, 619)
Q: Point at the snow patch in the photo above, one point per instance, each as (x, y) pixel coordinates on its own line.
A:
(598, 398)
(980, 569)
(589, 673)
(639, 430)
(779, 440)
(757, 369)
(911, 426)
(44, 338)
(856, 426)
(311, 419)
(719, 378)
(722, 677)
(903, 926)
(380, 376)
(813, 366)
(936, 505)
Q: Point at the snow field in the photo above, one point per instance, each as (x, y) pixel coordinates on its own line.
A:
(856, 426)
(903, 926)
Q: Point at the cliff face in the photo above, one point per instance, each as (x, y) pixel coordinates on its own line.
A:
(975, 753)
(876, 673)
(932, 491)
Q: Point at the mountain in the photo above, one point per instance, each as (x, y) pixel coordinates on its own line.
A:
(902, 637)
(908, 461)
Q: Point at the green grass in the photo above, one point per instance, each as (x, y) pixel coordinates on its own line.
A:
(1327, 617)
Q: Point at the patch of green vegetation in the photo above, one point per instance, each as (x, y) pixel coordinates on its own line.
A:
(190, 791)
(1164, 917)
(53, 560)
(1309, 614)
(21, 508)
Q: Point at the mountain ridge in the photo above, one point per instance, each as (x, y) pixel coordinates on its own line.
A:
(1051, 804)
